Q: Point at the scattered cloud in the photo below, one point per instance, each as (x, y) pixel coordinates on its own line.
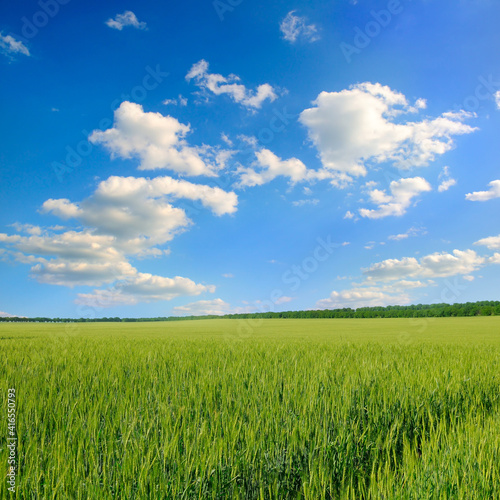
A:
(395, 204)
(492, 242)
(295, 28)
(7, 315)
(497, 99)
(283, 300)
(349, 215)
(268, 167)
(157, 140)
(128, 18)
(143, 287)
(360, 295)
(436, 265)
(228, 275)
(10, 46)
(413, 231)
(446, 180)
(215, 307)
(493, 192)
(219, 85)
(355, 128)
(180, 101)
(301, 203)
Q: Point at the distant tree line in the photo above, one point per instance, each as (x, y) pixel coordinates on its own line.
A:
(483, 308)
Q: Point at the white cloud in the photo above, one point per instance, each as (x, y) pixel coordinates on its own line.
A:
(301, 203)
(268, 167)
(370, 296)
(128, 18)
(10, 45)
(355, 128)
(497, 99)
(70, 273)
(492, 242)
(436, 265)
(446, 180)
(395, 204)
(493, 192)
(283, 300)
(180, 101)
(7, 315)
(203, 307)
(157, 140)
(349, 215)
(137, 211)
(125, 216)
(295, 28)
(413, 231)
(219, 84)
(143, 287)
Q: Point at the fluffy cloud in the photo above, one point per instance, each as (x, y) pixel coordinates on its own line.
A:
(219, 85)
(10, 45)
(361, 295)
(143, 287)
(497, 98)
(295, 28)
(215, 307)
(71, 273)
(125, 216)
(446, 180)
(492, 242)
(157, 140)
(493, 192)
(395, 204)
(436, 265)
(137, 212)
(356, 127)
(268, 166)
(128, 18)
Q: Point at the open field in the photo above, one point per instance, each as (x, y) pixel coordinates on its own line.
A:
(384, 408)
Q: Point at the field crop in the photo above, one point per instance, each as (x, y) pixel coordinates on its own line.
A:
(255, 409)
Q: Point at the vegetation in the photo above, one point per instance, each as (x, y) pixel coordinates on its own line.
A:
(483, 308)
(256, 409)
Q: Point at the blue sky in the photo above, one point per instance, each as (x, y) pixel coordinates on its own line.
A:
(212, 157)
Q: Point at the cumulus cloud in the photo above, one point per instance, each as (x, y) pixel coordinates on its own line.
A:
(9, 45)
(128, 18)
(436, 265)
(446, 180)
(395, 204)
(137, 211)
(125, 216)
(268, 167)
(219, 85)
(215, 307)
(356, 128)
(360, 295)
(157, 141)
(493, 192)
(295, 28)
(492, 242)
(143, 287)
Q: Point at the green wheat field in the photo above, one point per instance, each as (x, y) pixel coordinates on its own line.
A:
(255, 409)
